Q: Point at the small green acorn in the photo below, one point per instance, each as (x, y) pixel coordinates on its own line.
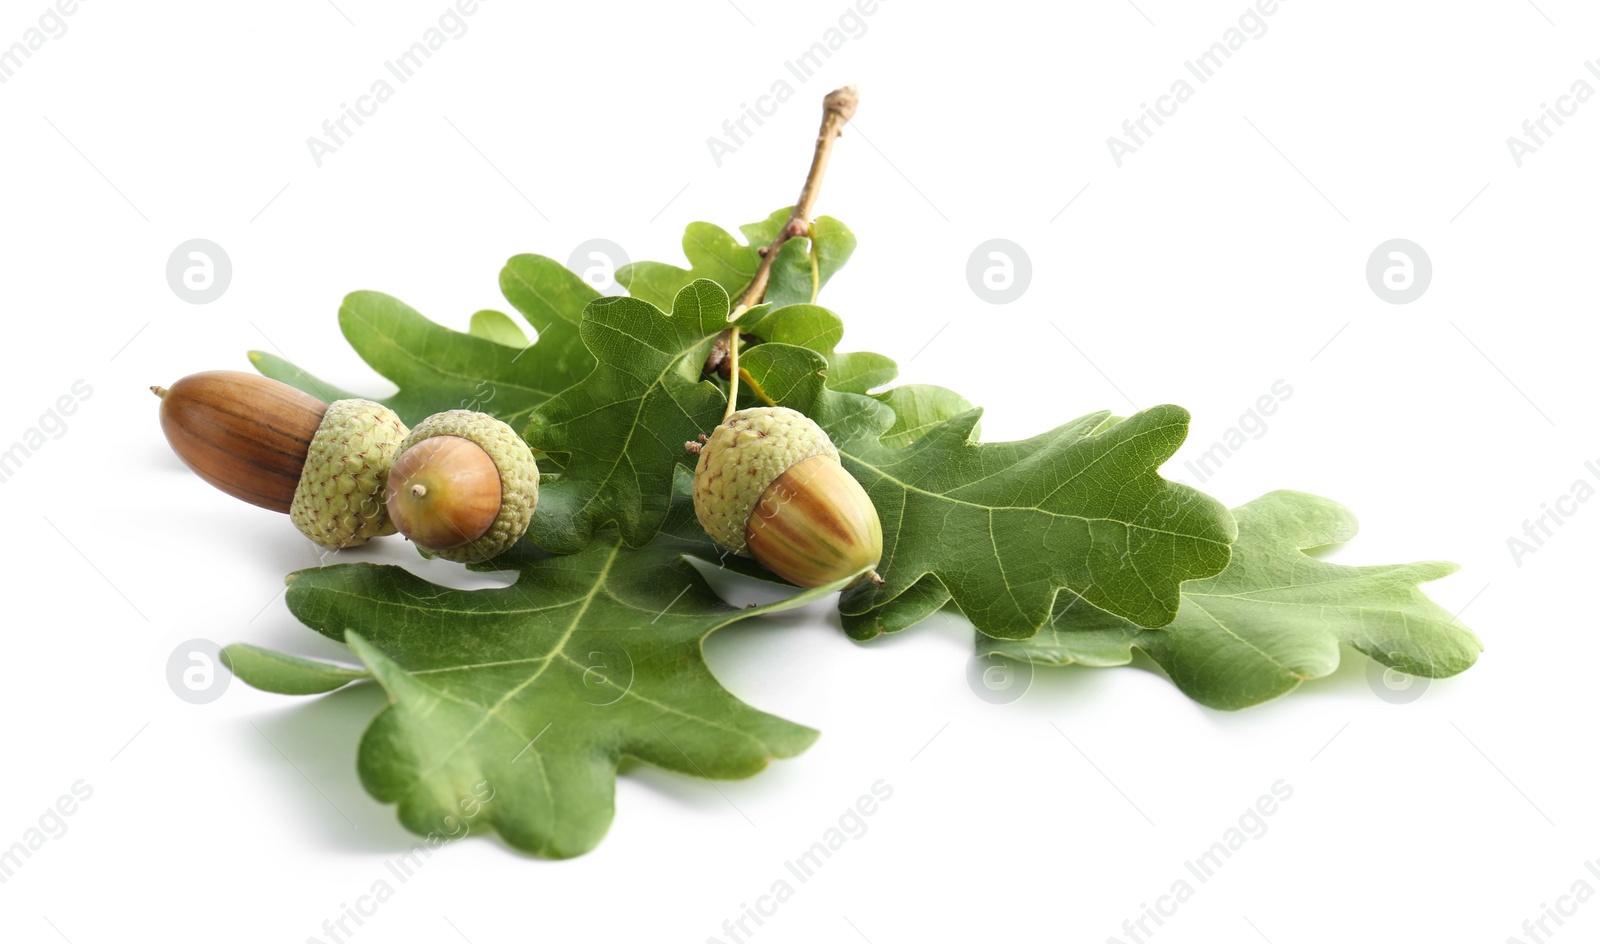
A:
(324, 465)
(769, 485)
(463, 486)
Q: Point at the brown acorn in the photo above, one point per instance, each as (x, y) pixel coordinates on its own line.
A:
(463, 487)
(444, 492)
(324, 465)
(768, 484)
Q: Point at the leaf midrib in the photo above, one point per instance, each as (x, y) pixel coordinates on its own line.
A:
(616, 463)
(558, 649)
(908, 487)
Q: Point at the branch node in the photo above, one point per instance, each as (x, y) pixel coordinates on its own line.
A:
(842, 101)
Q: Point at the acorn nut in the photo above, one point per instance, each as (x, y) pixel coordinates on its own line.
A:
(464, 486)
(769, 485)
(324, 465)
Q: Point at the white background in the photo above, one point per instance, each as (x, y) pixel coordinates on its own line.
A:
(1229, 252)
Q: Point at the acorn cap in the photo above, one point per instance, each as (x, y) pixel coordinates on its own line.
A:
(519, 479)
(339, 501)
(744, 456)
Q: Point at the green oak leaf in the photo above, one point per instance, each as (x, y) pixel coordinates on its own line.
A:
(715, 254)
(437, 369)
(286, 674)
(1274, 618)
(498, 327)
(682, 530)
(860, 371)
(820, 330)
(921, 600)
(1005, 527)
(919, 408)
(620, 431)
(539, 689)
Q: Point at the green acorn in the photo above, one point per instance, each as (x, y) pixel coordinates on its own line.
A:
(769, 485)
(463, 487)
(325, 465)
